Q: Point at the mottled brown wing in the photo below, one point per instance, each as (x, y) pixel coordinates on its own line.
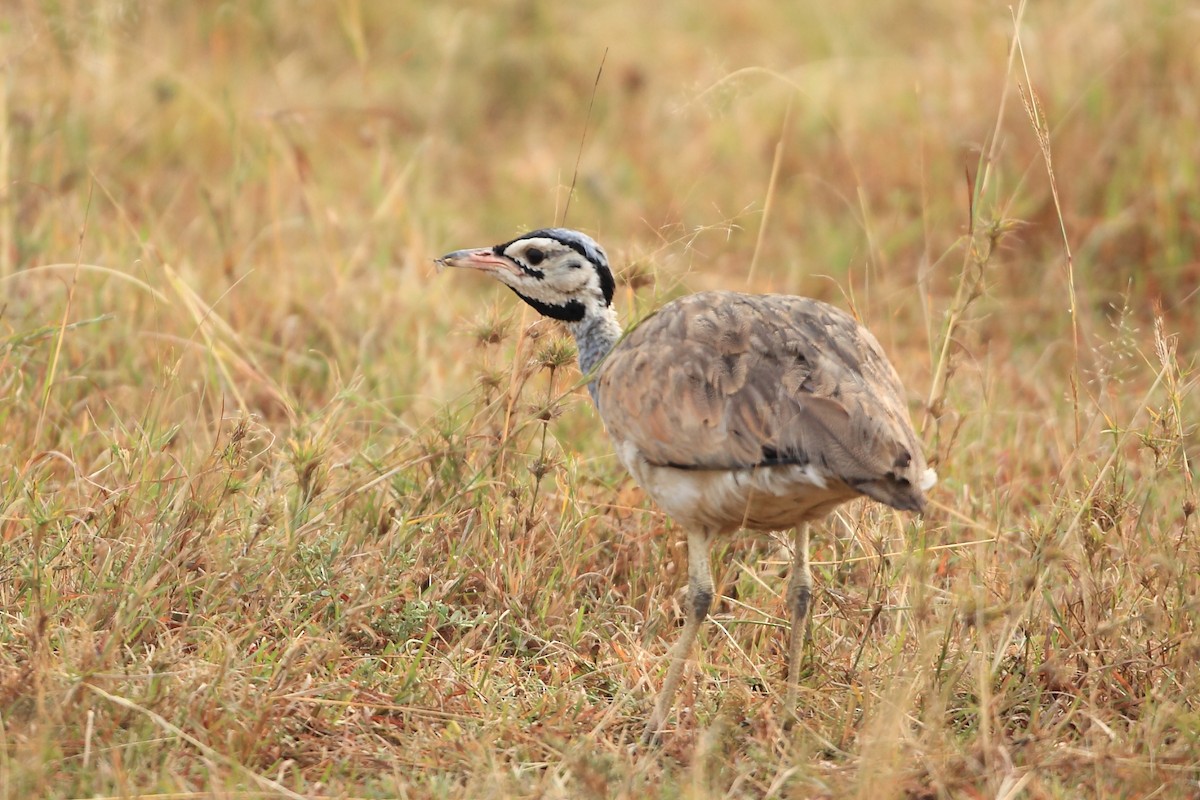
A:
(721, 380)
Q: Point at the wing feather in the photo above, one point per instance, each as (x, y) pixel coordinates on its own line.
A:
(727, 381)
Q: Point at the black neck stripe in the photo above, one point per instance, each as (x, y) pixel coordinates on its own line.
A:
(571, 311)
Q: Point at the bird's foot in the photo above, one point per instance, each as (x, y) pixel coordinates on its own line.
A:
(790, 715)
(652, 735)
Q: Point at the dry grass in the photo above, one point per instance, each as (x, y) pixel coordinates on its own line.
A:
(284, 515)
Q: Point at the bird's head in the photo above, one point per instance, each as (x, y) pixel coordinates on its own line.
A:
(562, 273)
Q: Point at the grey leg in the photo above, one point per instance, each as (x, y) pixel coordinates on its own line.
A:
(700, 594)
(798, 596)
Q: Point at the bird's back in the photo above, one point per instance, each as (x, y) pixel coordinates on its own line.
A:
(761, 411)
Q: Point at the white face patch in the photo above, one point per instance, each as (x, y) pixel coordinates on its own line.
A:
(534, 253)
(552, 272)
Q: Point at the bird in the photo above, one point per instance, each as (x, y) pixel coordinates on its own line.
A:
(731, 410)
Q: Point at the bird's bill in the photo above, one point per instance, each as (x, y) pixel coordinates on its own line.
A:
(483, 259)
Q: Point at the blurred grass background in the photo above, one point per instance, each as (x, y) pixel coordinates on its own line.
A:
(285, 515)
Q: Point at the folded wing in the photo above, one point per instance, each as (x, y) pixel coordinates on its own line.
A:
(727, 381)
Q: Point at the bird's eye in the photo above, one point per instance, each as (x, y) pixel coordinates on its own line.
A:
(534, 256)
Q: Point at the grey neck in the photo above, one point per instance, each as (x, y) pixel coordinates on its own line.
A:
(595, 336)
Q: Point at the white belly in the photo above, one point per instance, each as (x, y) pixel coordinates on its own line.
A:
(762, 498)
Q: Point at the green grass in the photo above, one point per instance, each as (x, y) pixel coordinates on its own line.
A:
(284, 513)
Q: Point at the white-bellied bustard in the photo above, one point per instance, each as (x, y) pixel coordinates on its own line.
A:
(731, 410)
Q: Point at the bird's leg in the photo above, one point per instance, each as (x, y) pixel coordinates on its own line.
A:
(798, 596)
(699, 598)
